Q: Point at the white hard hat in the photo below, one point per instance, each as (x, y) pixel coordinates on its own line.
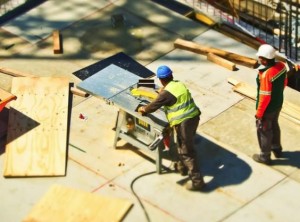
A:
(266, 51)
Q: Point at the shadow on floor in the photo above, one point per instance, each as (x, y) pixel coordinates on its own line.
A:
(224, 167)
(289, 158)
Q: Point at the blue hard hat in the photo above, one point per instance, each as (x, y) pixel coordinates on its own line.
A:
(163, 72)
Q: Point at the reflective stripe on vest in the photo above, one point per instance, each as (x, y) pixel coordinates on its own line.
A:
(184, 107)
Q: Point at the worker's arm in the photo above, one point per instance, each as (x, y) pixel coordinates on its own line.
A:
(164, 98)
(264, 96)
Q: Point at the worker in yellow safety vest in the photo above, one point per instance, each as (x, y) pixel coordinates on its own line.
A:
(184, 115)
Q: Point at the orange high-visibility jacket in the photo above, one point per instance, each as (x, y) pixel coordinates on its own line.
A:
(270, 86)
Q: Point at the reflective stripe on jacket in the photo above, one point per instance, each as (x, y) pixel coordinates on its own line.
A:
(270, 86)
(185, 106)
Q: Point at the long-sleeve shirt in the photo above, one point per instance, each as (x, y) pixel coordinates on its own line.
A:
(164, 98)
(270, 85)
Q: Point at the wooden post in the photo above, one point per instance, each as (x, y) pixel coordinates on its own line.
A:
(57, 46)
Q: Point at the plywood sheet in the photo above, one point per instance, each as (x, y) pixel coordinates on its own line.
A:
(37, 127)
(68, 204)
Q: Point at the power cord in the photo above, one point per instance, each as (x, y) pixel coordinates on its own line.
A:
(135, 194)
(137, 197)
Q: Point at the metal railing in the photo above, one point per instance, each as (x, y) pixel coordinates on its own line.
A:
(273, 21)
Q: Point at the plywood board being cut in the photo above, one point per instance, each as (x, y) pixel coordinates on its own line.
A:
(37, 127)
(68, 204)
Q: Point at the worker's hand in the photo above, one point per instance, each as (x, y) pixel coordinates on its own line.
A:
(141, 110)
(259, 123)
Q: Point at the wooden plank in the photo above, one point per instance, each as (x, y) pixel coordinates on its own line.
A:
(79, 92)
(14, 73)
(290, 109)
(68, 204)
(204, 50)
(57, 45)
(37, 127)
(221, 61)
(17, 73)
(5, 97)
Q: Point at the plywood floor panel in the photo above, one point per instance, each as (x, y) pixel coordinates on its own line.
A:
(37, 127)
(68, 204)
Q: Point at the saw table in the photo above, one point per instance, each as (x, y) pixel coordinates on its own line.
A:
(114, 85)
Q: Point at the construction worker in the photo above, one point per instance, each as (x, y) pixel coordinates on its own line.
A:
(182, 114)
(271, 81)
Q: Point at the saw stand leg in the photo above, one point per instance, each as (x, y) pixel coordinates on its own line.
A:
(118, 125)
(158, 150)
(159, 158)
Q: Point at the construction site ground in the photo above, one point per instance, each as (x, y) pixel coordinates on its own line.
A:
(238, 189)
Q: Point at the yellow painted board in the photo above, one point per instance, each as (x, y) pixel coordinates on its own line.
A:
(205, 19)
(37, 127)
(68, 204)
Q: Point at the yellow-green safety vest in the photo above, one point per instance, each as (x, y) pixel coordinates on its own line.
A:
(185, 106)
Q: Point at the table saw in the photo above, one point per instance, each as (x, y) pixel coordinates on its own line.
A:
(115, 85)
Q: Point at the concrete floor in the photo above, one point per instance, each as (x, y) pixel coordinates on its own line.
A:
(238, 188)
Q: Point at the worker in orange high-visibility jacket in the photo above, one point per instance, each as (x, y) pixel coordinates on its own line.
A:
(271, 81)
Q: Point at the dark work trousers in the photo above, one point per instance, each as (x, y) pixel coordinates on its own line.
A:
(268, 133)
(186, 132)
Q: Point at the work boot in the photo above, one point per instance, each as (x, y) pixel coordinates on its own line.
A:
(180, 168)
(277, 152)
(194, 186)
(261, 159)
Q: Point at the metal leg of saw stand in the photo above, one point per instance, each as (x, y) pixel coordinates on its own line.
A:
(157, 148)
(159, 158)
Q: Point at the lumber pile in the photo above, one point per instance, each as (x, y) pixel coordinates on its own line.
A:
(205, 50)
